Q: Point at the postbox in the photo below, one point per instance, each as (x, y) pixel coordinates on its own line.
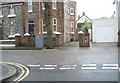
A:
(85, 39)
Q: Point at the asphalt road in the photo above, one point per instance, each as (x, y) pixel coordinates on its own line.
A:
(70, 54)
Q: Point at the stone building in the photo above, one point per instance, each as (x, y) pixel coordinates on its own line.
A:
(73, 28)
(10, 19)
(27, 19)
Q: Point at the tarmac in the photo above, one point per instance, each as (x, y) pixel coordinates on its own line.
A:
(8, 71)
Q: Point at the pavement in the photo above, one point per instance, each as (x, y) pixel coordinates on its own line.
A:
(7, 71)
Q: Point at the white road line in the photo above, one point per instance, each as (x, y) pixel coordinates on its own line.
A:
(88, 64)
(50, 65)
(67, 68)
(33, 65)
(88, 68)
(46, 68)
(109, 67)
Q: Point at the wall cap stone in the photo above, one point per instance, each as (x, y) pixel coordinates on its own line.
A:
(80, 32)
(17, 34)
(11, 36)
(11, 15)
(26, 34)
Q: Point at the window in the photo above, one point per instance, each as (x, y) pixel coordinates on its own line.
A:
(72, 23)
(54, 24)
(31, 27)
(43, 6)
(71, 5)
(29, 5)
(43, 25)
(1, 12)
(12, 31)
(72, 26)
(11, 11)
(54, 4)
(72, 11)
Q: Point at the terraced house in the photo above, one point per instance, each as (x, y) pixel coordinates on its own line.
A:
(26, 18)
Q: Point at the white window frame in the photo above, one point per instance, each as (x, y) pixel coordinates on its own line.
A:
(71, 5)
(30, 6)
(43, 25)
(54, 5)
(43, 6)
(1, 12)
(54, 24)
(12, 31)
(72, 26)
(72, 13)
(72, 23)
(12, 12)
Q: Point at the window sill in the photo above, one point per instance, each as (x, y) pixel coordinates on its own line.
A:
(72, 33)
(11, 15)
(30, 11)
(11, 36)
(1, 16)
(44, 32)
(57, 33)
(26, 34)
(54, 9)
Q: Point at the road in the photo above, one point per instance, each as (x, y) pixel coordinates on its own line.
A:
(98, 55)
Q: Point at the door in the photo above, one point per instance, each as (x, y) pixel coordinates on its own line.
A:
(105, 34)
(31, 28)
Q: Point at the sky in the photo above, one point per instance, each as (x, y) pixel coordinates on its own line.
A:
(95, 9)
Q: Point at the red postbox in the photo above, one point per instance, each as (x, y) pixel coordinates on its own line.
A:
(85, 39)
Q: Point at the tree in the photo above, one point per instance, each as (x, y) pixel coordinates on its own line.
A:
(86, 26)
(48, 23)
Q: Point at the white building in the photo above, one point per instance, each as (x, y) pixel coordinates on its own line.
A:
(105, 30)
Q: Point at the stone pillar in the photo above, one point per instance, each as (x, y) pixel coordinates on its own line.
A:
(26, 39)
(58, 40)
(17, 40)
(81, 34)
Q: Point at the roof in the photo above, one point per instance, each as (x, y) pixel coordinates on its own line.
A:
(83, 16)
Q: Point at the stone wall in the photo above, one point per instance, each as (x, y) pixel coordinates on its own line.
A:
(11, 22)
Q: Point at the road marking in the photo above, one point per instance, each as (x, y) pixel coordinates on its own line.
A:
(50, 65)
(88, 68)
(63, 68)
(46, 68)
(88, 64)
(33, 65)
(22, 75)
(110, 65)
(68, 67)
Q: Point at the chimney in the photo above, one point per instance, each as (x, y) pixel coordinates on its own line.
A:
(83, 13)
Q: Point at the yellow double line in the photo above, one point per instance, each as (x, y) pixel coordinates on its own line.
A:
(22, 67)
